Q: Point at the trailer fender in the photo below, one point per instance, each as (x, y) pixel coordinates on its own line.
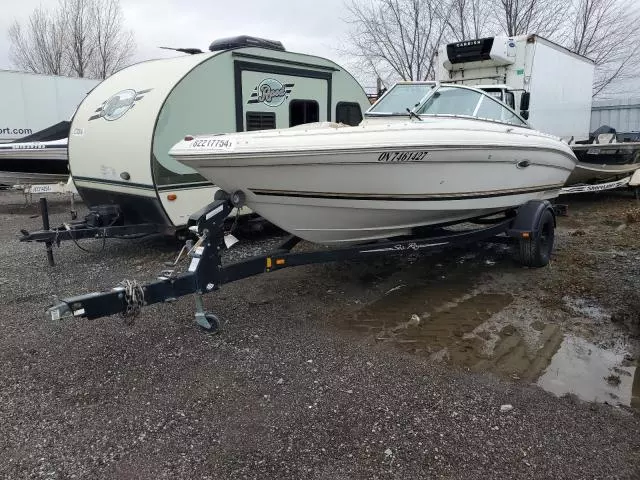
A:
(528, 219)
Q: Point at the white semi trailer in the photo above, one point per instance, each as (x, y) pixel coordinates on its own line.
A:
(31, 102)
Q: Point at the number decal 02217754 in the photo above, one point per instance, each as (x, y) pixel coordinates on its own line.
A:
(414, 156)
(213, 143)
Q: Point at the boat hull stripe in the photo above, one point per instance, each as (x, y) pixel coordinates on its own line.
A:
(405, 198)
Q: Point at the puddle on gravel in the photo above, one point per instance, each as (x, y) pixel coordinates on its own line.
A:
(462, 326)
(592, 373)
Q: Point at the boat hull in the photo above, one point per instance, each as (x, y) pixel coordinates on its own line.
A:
(355, 195)
(33, 163)
(333, 223)
(22, 178)
(600, 163)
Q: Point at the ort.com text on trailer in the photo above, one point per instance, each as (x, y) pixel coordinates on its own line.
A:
(15, 131)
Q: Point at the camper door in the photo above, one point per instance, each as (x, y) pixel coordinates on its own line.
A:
(280, 97)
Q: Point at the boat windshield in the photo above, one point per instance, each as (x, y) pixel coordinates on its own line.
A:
(465, 102)
(400, 97)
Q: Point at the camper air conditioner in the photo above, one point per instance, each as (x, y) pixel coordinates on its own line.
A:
(494, 51)
(244, 41)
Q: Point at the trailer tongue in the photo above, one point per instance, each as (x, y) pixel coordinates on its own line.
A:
(533, 224)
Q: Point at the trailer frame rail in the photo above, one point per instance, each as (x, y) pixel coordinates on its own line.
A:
(206, 272)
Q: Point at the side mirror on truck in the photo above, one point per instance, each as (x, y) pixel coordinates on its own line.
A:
(524, 105)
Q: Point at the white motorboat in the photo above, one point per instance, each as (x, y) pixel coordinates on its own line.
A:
(28, 163)
(426, 154)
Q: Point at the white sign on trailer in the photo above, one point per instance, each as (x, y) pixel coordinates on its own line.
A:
(32, 102)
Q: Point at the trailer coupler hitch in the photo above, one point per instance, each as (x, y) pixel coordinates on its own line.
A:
(129, 297)
(59, 310)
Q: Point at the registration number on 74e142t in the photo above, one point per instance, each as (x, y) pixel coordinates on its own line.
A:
(402, 156)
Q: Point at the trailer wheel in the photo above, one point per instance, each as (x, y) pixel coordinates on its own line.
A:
(214, 324)
(536, 252)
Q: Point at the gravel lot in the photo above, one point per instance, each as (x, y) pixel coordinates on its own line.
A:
(293, 387)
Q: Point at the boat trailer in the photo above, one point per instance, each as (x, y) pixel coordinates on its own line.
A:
(531, 225)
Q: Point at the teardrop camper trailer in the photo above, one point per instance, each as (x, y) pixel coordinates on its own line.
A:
(123, 130)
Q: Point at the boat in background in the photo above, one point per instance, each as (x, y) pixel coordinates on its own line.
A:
(607, 156)
(37, 158)
(425, 155)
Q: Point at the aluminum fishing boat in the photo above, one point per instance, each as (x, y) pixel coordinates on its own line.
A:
(426, 154)
(606, 160)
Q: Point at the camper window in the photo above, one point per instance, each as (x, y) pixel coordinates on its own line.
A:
(260, 121)
(303, 111)
(348, 113)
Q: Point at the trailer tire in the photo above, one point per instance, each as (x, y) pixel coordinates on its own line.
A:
(536, 252)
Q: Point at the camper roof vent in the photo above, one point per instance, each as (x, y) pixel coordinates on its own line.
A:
(244, 41)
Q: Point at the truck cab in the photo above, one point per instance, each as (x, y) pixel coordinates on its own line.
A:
(500, 92)
(518, 100)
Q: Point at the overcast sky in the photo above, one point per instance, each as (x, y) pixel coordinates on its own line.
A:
(308, 26)
(315, 27)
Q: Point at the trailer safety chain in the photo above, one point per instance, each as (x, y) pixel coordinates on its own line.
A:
(134, 298)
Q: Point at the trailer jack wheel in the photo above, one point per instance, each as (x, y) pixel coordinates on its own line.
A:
(535, 251)
(208, 323)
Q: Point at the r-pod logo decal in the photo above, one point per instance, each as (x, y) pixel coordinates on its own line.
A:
(117, 105)
(271, 92)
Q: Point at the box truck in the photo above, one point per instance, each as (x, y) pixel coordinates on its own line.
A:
(552, 88)
(548, 84)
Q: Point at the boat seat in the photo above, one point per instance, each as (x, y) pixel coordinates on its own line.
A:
(606, 138)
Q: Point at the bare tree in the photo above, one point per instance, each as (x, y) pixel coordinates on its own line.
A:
(606, 32)
(518, 17)
(468, 19)
(114, 46)
(39, 47)
(84, 38)
(81, 41)
(397, 38)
